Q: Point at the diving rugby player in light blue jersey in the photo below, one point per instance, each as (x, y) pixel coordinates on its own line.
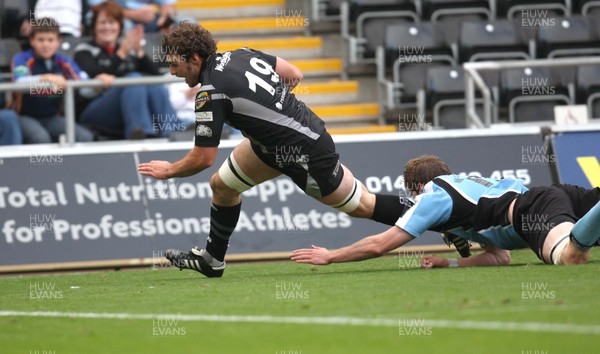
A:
(559, 223)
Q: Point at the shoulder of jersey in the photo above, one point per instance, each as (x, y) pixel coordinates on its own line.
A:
(228, 61)
(227, 72)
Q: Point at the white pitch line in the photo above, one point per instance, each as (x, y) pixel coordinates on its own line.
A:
(343, 321)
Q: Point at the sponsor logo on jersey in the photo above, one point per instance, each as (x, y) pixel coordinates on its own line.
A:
(279, 105)
(203, 130)
(201, 99)
(223, 61)
(204, 117)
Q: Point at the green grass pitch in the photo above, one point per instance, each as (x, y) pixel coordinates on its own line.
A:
(378, 306)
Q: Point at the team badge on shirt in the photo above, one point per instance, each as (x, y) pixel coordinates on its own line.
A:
(203, 130)
(204, 116)
(201, 99)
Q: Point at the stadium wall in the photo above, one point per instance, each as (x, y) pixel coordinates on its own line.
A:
(86, 205)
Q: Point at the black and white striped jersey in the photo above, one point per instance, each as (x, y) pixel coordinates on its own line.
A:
(241, 88)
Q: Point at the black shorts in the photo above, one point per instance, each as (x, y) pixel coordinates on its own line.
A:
(315, 168)
(540, 209)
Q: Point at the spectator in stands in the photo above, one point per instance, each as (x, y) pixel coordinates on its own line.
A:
(144, 12)
(10, 131)
(129, 111)
(41, 66)
(68, 14)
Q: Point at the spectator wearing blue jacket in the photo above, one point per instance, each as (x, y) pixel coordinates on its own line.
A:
(47, 72)
(10, 131)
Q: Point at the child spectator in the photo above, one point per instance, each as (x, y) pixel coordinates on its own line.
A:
(41, 66)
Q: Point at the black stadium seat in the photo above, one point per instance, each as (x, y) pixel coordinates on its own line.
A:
(412, 49)
(68, 44)
(530, 94)
(449, 14)
(589, 7)
(445, 92)
(588, 88)
(423, 38)
(8, 48)
(374, 31)
(532, 9)
(570, 36)
(333, 7)
(492, 40)
(434, 10)
(371, 18)
(359, 7)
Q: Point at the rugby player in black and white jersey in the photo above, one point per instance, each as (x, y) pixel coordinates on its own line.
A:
(251, 91)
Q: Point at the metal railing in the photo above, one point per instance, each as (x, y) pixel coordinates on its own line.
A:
(474, 79)
(72, 85)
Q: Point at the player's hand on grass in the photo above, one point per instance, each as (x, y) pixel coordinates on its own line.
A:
(433, 262)
(314, 255)
(155, 168)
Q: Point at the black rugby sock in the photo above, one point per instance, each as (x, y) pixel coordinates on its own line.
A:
(223, 220)
(389, 208)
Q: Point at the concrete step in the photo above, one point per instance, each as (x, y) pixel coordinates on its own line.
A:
(319, 67)
(285, 47)
(255, 25)
(208, 9)
(327, 92)
(347, 113)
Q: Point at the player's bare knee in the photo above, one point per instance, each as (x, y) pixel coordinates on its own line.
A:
(220, 190)
(353, 203)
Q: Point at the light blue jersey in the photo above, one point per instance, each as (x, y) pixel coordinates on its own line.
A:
(473, 208)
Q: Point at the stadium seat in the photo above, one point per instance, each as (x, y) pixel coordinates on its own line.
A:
(492, 40)
(435, 10)
(410, 50)
(151, 45)
(12, 13)
(415, 39)
(571, 36)
(327, 9)
(589, 8)
(359, 7)
(445, 92)
(530, 94)
(8, 48)
(588, 88)
(532, 10)
(68, 44)
(451, 25)
(371, 18)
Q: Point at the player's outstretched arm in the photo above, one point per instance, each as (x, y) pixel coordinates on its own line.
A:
(197, 160)
(289, 73)
(369, 247)
(491, 256)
